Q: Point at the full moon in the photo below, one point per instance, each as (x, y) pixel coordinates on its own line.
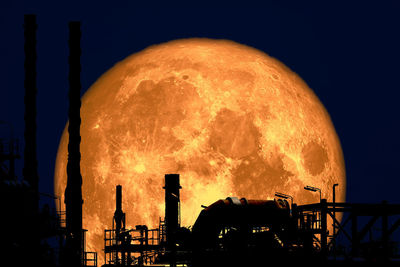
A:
(231, 120)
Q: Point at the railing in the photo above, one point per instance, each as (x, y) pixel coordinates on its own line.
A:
(62, 215)
(109, 238)
(90, 259)
(310, 221)
(147, 241)
(161, 231)
(10, 147)
(148, 237)
(142, 236)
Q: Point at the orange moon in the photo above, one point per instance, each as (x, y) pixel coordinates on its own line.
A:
(231, 120)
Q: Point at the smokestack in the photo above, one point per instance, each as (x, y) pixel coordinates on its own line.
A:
(73, 191)
(118, 198)
(119, 218)
(119, 215)
(172, 211)
(30, 172)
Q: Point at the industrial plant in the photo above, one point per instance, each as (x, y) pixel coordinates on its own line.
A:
(229, 232)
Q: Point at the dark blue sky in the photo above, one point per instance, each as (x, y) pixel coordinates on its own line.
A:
(348, 53)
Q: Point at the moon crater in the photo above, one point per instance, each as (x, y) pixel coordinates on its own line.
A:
(230, 119)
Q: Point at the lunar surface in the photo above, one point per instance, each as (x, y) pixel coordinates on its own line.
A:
(231, 120)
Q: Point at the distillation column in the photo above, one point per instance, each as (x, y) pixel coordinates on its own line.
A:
(172, 213)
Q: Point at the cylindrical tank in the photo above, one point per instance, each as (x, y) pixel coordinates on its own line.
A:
(234, 231)
(242, 213)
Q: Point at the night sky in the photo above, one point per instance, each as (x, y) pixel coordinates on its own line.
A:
(347, 53)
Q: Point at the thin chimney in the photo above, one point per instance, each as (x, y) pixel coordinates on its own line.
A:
(30, 172)
(73, 191)
(119, 215)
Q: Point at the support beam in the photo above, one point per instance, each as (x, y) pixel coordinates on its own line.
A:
(354, 235)
(367, 227)
(324, 230)
(340, 226)
(394, 227)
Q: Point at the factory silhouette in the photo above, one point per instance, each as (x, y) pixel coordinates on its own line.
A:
(229, 232)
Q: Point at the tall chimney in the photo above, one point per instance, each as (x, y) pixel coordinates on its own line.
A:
(73, 191)
(119, 215)
(30, 171)
(119, 218)
(172, 212)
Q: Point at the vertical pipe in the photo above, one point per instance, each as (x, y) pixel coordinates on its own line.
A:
(73, 191)
(334, 218)
(324, 230)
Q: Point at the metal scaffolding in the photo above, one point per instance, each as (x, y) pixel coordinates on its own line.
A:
(312, 225)
(139, 246)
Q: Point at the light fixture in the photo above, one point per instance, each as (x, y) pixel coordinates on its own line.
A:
(313, 189)
(284, 196)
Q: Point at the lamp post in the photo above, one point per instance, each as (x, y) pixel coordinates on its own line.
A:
(313, 189)
(284, 196)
